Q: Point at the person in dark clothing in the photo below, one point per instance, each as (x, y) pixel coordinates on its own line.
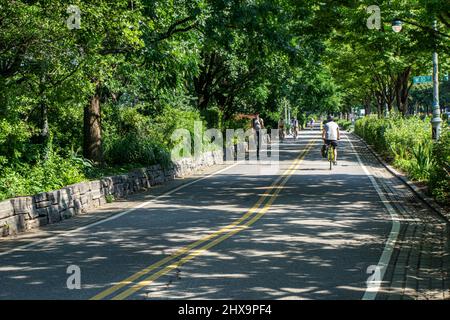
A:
(258, 125)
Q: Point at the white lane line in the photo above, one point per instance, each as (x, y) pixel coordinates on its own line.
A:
(72, 232)
(372, 290)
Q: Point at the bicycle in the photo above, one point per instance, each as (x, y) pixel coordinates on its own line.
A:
(330, 155)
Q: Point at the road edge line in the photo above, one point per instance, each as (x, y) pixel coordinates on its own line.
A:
(428, 201)
(383, 263)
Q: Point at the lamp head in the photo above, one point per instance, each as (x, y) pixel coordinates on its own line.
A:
(397, 25)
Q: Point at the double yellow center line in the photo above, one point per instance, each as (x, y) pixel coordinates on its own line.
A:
(191, 251)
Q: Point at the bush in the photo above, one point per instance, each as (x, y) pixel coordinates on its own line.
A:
(403, 141)
(162, 127)
(439, 182)
(407, 143)
(421, 163)
(15, 143)
(396, 138)
(344, 124)
(134, 149)
(52, 174)
(212, 117)
(372, 129)
(238, 123)
(131, 137)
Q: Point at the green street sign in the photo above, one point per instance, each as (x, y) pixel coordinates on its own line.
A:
(427, 79)
(422, 79)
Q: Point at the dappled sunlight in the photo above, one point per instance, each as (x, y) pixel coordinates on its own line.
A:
(293, 231)
(317, 239)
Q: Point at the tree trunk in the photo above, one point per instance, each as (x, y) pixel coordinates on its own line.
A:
(379, 103)
(402, 90)
(366, 106)
(203, 101)
(92, 148)
(225, 105)
(203, 82)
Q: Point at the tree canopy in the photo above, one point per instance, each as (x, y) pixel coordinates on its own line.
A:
(134, 68)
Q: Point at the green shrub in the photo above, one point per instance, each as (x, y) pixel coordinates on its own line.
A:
(162, 127)
(134, 149)
(420, 166)
(407, 143)
(15, 141)
(54, 173)
(439, 182)
(344, 124)
(394, 137)
(372, 130)
(235, 124)
(109, 198)
(212, 117)
(131, 137)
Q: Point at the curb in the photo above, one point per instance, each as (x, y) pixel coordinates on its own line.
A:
(426, 199)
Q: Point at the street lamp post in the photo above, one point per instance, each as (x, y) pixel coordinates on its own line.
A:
(436, 120)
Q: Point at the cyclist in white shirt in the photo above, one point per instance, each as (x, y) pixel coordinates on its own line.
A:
(331, 135)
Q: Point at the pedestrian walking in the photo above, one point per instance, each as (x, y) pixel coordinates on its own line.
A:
(258, 125)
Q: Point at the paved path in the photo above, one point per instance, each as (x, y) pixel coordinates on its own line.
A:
(248, 231)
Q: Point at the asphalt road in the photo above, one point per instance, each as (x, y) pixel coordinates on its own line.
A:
(248, 232)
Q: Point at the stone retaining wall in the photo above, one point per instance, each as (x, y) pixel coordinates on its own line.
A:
(24, 213)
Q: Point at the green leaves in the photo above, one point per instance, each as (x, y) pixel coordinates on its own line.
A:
(374, 67)
(157, 65)
(27, 179)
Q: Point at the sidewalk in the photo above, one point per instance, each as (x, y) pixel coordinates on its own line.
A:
(420, 265)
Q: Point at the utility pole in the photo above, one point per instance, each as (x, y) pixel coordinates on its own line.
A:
(436, 121)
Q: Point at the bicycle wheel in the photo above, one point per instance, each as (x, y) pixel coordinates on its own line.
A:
(331, 156)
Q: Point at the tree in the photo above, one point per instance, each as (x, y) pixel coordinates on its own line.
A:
(382, 62)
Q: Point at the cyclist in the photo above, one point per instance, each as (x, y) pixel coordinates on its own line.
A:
(281, 124)
(294, 124)
(331, 135)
